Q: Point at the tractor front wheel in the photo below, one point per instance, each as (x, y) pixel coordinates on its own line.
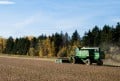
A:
(72, 60)
(87, 62)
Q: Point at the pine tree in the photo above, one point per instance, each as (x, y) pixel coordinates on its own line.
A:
(33, 42)
(15, 47)
(106, 34)
(96, 36)
(75, 39)
(57, 43)
(116, 36)
(9, 45)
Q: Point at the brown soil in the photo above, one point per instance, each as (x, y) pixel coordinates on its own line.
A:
(15, 69)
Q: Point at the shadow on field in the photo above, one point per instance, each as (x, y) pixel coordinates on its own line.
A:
(111, 65)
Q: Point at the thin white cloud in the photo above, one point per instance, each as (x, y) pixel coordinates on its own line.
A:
(24, 23)
(34, 19)
(4, 2)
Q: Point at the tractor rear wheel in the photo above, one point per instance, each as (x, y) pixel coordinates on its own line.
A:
(99, 62)
(87, 62)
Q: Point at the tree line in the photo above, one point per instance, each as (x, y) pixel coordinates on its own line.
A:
(62, 45)
(108, 36)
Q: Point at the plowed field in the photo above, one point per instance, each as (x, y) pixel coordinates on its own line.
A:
(15, 69)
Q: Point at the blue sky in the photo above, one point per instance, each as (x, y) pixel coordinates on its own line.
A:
(20, 18)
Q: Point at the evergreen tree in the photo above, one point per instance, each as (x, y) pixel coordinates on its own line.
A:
(33, 42)
(96, 36)
(23, 46)
(116, 35)
(75, 39)
(66, 39)
(42, 37)
(88, 39)
(57, 43)
(106, 34)
(15, 47)
(9, 45)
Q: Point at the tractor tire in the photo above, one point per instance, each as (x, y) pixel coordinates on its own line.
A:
(73, 60)
(87, 62)
(99, 62)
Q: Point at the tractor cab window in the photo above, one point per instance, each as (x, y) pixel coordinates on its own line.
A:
(76, 50)
(96, 50)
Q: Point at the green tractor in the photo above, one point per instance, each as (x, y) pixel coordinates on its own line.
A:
(87, 55)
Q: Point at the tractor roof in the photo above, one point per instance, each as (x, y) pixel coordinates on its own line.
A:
(96, 48)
